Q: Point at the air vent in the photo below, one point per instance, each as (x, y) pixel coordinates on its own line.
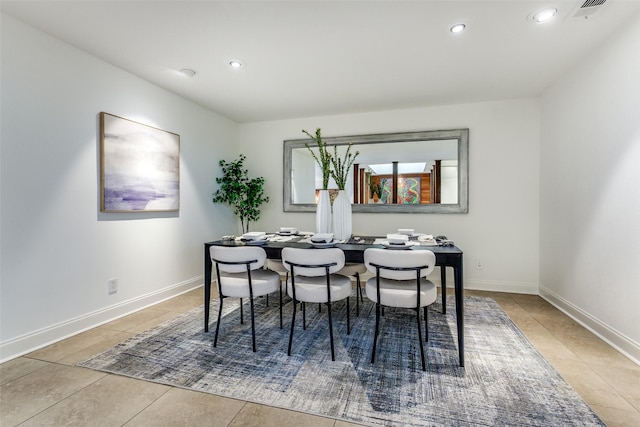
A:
(587, 9)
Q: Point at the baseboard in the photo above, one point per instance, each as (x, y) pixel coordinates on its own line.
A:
(33, 341)
(620, 342)
(496, 286)
(478, 285)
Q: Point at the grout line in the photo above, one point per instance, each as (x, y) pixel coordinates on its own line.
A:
(147, 406)
(238, 413)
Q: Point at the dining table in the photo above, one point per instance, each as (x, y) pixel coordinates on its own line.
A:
(447, 256)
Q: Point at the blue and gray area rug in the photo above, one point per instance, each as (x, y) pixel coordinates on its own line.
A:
(505, 380)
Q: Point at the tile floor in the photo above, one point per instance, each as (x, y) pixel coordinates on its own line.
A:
(45, 388)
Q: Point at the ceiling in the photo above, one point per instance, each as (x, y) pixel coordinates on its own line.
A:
(315, 58)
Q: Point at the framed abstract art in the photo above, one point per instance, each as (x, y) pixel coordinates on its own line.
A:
(139, 167)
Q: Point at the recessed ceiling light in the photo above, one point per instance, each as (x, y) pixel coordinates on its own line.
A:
(235, 63)
(188, 72)
(544, 15)
(458, 28)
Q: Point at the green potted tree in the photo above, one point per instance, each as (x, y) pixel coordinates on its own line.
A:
(243, 194)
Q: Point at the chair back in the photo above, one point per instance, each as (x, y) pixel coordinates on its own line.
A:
(240, 255)
(400, 258)
(313, 257)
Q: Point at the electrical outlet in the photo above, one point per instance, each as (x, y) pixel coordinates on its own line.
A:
(113, 286)
(479, 265)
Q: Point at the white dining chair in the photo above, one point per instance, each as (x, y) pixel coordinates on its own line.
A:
(240, 274)
(314, 279)
(400, 281)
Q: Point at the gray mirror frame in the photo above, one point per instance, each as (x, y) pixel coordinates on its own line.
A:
(461, 135)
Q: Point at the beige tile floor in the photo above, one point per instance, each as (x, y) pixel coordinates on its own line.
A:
(46, 388)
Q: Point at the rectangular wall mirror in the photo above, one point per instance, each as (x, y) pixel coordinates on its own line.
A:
(409, 172)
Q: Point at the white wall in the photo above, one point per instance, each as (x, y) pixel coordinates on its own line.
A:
(501, 228)
(590, 187)
(57, 249)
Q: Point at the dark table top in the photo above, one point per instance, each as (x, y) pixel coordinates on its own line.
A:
(353, 249)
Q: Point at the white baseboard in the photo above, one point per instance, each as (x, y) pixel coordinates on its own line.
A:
(478, 285)
(41, 338)
(496, 286)
(620, 342)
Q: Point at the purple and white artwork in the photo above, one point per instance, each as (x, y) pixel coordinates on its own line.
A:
(140, 167)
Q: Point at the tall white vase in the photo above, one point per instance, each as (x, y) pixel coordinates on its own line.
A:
(323, 213)
(342, 224)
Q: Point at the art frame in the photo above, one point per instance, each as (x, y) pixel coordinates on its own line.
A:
(139, 167)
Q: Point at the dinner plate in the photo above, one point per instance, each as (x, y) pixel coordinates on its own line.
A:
(396, 247)
(325, 245)
(255, 242)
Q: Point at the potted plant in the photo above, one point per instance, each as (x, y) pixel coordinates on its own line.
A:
(243, 194)
(342, 167)
(342, 223)
(323, 158)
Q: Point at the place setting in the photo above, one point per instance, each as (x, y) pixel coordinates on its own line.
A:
(320, 240)
(406, 238)
(323, 240)
(254, 238)
(287, 234)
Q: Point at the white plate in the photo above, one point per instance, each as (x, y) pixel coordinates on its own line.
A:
(255, 242)
(324, 245)
(397, 247)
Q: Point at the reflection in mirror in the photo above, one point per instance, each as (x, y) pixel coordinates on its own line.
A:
(400, 172)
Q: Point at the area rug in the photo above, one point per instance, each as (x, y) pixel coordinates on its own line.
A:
(505, 380)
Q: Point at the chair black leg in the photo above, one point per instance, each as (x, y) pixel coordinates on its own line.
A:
(215, 341)
(286, 280)
(358, 294)
(241, 312)
(348, 317)
(424, 366)
(253, 326)
(293, 324)
(333, 357)
(426, 324)
(375, 336)
(280, 291)
(443, 288)
(304, 316)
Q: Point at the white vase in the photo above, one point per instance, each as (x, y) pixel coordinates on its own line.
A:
(323, 213)
(342, 224)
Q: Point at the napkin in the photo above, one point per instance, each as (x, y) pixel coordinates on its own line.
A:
(288, 230)
(254, 235)
(397, 239)
(322, 238)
